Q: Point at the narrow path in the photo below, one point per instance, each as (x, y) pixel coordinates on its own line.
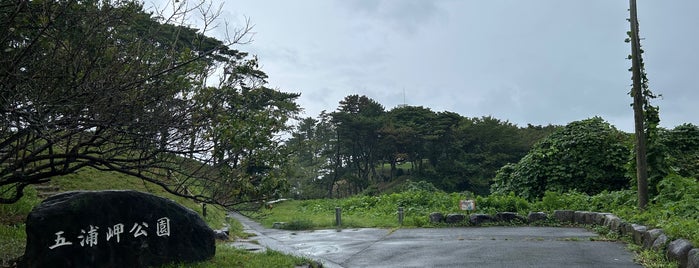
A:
(266, 238)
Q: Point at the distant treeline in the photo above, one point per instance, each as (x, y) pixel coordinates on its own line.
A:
(362, 144)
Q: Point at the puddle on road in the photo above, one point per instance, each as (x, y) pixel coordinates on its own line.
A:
(317, 248)
(249, 245)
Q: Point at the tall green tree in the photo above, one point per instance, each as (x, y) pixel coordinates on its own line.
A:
(358, 121)
(313, 150)
(107, 85)
(488, 144)
(404, 136)
(442, 142)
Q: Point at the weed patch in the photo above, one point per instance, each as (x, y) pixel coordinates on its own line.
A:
(299, 224)
(227, 256)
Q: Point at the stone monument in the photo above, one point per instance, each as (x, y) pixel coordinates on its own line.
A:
(114, 229)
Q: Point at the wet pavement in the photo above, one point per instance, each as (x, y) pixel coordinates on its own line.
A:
(443, 247)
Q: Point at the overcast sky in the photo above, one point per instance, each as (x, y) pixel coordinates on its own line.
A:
(539, 62)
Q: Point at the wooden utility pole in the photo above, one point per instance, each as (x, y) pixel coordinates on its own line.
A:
(637, 93)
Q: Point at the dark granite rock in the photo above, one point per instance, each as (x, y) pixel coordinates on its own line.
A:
(220, 235)
(114, 229)
(612, 222)
(693, 258)
(509, 217)
(589, 217)
(627, 229)
(660, 243)
(477, 219)
(564, 215)
(599, 217)
(637, 233)
(436, 217)
(650, 236)
(537, 216)
(455, 218)
(579, 217)
(678, 250)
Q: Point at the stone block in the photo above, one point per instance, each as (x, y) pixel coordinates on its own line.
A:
(628, 229)
(436, 217)
(537, 216)
(637, 233)
(579, 217)
(508, 217)
(564, 216)
(693, 258)
(220, 235)
(226, 229)
(589, 217)
(612, 222)
(650, 236)
(599, 217)
(455, 218)
(678, 250)
(660, 243)
(477, 219)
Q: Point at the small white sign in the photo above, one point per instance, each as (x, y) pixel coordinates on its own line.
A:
(467, 205)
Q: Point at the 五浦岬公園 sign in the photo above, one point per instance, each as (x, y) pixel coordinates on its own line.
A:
(114, 229)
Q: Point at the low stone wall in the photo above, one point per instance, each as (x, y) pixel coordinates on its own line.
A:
(680, 250)
(478, 219)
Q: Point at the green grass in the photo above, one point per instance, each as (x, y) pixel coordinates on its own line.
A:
(382, 210)
(320, 214)
(17, 211)
(651, 258)
(12, 235)
(227, 256)
(12, 240)
(91, 179)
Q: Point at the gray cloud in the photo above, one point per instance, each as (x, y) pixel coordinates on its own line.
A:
(404, 16)
(539, 62)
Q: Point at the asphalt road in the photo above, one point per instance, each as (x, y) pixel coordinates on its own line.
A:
(446, 247)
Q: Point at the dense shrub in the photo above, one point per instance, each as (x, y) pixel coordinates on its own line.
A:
(556, 200)
(298, 224)
(682, 145)
(588, 156)
(420, 186)
(502, 203)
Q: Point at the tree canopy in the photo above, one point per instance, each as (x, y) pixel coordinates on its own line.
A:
(107, 85)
